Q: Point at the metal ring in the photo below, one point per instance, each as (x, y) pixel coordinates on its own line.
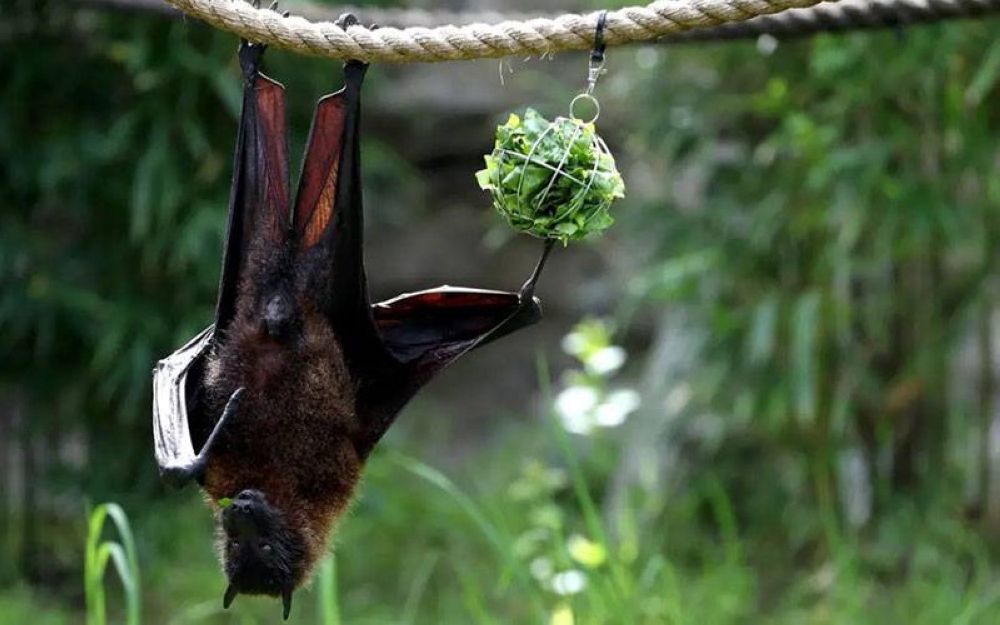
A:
(589, 98)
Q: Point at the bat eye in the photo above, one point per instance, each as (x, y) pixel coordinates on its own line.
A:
(265, 547)
(234, 544)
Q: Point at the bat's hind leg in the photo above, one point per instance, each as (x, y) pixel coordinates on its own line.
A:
(180, 474)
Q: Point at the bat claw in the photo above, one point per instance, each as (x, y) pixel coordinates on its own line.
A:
(274, 7)
(346, 20)
(251, 53)
(178, 475)
(250, 57)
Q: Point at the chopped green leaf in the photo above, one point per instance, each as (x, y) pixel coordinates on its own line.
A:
(225, 502)
(551, 179)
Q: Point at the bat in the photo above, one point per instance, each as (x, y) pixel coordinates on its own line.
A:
(287, 392)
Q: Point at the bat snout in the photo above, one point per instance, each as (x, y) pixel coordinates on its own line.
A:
(250, 495)
(248, 516)
(239, 521)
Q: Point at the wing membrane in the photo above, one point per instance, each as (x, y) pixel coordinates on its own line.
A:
(433, 327)
(259, 207)
(317, 188)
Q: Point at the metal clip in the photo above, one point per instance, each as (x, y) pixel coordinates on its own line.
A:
(596, 65)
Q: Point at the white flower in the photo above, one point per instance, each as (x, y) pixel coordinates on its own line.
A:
(569, 582)
(574, 406)
(576, 400)
(616, 408)
(581, 424)
(606, 360)
(574, 343)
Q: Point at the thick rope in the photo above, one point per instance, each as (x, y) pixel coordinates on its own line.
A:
(475, 41)
(845, 15)
(397, 17)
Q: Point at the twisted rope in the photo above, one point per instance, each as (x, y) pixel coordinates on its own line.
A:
(397, 17)
(475, 41)
(845, 15)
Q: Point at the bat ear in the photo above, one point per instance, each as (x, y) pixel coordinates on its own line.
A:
(286, 604)
(227, 599)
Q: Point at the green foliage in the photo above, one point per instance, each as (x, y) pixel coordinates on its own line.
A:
(22, 604)
(326, 599)
(122, 554)
(424, 548)
(831, 224)
(551, 179)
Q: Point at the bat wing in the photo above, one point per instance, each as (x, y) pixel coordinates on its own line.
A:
(329, 225)
(171, 431)
(259, 215)
(429, 329)
(395, 347)
(259, 206)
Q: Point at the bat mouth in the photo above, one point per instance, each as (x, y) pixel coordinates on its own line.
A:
(248, 516)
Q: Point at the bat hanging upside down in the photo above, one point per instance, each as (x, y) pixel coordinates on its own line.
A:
(286, 394)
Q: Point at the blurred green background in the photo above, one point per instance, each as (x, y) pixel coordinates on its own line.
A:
(769, 394)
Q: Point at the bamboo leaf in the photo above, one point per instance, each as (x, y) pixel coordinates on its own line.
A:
(804, 355)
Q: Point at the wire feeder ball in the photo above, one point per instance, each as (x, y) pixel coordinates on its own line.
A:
(553, 179)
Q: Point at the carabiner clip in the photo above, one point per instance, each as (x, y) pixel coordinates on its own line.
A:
(596, 65)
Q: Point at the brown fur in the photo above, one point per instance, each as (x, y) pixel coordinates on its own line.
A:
(292, 436)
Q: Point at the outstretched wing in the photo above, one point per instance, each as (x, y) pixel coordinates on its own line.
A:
(259, 216)
(393, 348)
(429, 329)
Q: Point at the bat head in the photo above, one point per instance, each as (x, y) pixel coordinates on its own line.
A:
(262, 554)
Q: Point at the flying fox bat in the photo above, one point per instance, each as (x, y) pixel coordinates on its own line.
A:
(286, 394)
